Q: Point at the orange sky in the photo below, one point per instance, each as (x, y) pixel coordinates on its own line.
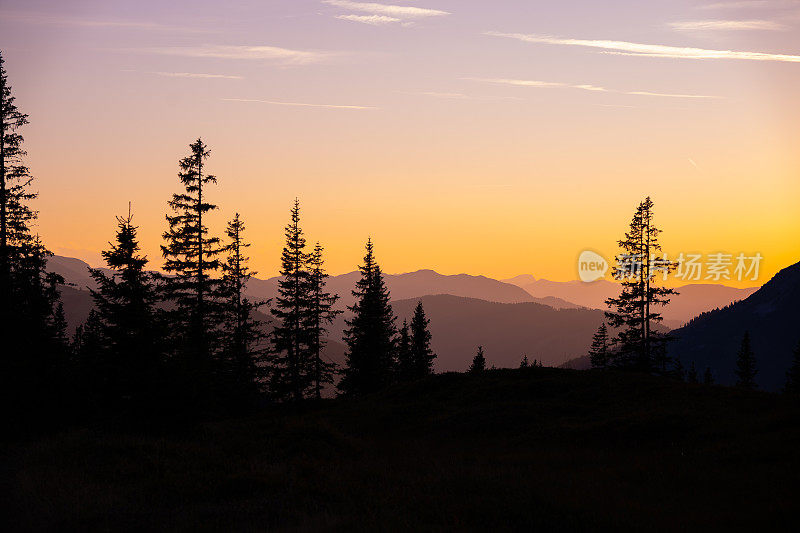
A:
(487, 138)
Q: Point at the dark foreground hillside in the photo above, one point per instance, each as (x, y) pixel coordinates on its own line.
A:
(504, 450)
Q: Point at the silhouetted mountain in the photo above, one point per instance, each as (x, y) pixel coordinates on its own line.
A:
(401, 286)
(771, 315)
(427, 282)
(74, 271)
(692, 299)
(506, 331)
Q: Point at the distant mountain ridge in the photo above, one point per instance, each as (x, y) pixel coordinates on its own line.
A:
(691, 300)
(507, 331)
(401, 286)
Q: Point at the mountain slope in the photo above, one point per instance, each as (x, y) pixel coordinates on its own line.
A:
(771, 315)
(691, 300)
(506, 331)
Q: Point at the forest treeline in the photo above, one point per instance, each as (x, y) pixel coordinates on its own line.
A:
(188, 337)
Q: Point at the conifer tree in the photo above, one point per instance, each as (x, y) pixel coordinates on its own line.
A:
(421, 353)
(291, 337)
(746, 365)
(478, 362)
(190, 256)
(405, 360)
(15, 182)
(31, 325)
(708, 377)
(634, 310)
(598, 352)
(91, 362)
(370, 357)
(678, 371)
(691, 376)
(320, 314)
(126, 311)
(241, 332)
(524, 363)
(793, 374)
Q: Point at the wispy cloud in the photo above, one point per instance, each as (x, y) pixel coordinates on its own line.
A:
(196, 75)
(726, 25)
(459, 96)
(749, 4)
(650, 50)
(372, 20)
(298, 104)
(272, 53)
(56, 20)
(387, 10)
(583, 87)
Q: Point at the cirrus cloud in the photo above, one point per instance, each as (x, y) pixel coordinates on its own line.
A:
(298, 104)
(271, 53)
(726, 25)
(387, 10)
(373, 20)
(584, 87)
(649, 50)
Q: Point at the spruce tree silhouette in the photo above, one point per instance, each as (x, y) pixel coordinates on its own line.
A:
(32, 326)
(405, 361)
(792, 386)
(291, 337)
(692, 376)
(130, 329)
(370, 357)
(478, 362)
(746, 365)
(320, 314)
(421, 353)
(708, 377)
(190, 259)
(634, 309)
(524, 363)
(598, 352)
(242, 334)
(678, 371)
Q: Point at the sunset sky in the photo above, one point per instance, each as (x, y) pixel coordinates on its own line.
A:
(487, 137)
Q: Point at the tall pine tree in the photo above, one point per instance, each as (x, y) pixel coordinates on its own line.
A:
(370, 332)
(291, 336)
(746, 365)
(634, 310)
(421, 352)
(190, 260)
(320, 314)
(405, 360)
(129, 323)
(598, 352)
(242, 333)
(31, 331)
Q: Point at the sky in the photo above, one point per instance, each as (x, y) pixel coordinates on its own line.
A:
(495, 138)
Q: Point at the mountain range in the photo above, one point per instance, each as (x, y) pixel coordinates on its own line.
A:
(545, 320)
(691, 300)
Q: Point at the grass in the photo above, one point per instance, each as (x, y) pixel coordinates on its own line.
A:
(509, 449)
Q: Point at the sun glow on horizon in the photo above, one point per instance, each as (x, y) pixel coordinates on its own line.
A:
(462, 137)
